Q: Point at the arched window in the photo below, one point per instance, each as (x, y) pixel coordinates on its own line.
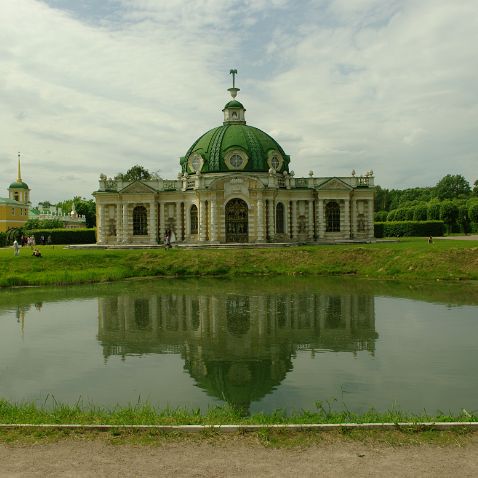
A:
(280, 218)
(193, 214)
(140, 221)
(16, 196)
(332, 217)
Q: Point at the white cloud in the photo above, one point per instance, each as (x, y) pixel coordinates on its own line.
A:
(382, 85)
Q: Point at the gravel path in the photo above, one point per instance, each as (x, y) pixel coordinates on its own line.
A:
(471, 237)
(71, 458)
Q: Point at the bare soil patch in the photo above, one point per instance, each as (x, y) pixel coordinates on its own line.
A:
(239, 456)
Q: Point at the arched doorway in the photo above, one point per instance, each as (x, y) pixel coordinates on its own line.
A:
(237, 221)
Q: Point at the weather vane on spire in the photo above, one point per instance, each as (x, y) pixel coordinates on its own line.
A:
(233, 73)
(233, 90)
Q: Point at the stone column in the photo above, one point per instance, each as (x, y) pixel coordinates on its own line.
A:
(294, 220)
(320, 218)
(124, 225)
(202, 221)
(353, 218)
(346, 230)
(153, 239)
(119, 235)
(310, 219)
(162, 221)
(260, 220)
(179, 222)
(101, 224)
(213, 221)
(287, 218)
(272, 231)
(187, 221)
(370, 219)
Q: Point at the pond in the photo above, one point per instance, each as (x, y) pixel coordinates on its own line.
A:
(258, 344)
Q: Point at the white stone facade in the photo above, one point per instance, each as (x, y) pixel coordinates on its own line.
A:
(235, 207)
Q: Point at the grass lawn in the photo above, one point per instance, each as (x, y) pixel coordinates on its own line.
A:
(408, 259)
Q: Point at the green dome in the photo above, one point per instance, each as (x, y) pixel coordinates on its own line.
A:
(218, 145)
(234, 104)
(18, 185)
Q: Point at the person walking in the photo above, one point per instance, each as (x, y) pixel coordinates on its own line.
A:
(16, 247)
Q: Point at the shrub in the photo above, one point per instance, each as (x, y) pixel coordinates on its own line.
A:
(433, 212)
(33, 224)
(391, 215)
(401, 214)
(449, 213)
(409, 213)
(409, 228)
(381, 216)
(420, 213)
(473, 212)
(66, 236)
(378, 229)
(3, 239)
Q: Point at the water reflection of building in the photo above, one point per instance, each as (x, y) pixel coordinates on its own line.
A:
(237, 347)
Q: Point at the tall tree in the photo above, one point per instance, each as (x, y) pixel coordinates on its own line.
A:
(452, 186)
(135, 173)
(475, 188)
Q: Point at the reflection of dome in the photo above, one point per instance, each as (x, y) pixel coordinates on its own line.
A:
(241, 383)
(234, 146)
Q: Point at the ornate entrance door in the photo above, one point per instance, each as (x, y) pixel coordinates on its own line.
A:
(237, 221)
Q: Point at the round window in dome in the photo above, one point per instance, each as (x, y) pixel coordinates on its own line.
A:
(236, 159)
(275, 162)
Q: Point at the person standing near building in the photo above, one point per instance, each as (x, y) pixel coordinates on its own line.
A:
(16, 247)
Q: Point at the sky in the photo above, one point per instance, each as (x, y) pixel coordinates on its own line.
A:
(97, 86)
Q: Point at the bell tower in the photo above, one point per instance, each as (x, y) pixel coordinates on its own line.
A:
(19, 191)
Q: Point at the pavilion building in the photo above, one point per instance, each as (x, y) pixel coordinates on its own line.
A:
(235, 186)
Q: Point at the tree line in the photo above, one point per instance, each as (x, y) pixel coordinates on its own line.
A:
(452, 200)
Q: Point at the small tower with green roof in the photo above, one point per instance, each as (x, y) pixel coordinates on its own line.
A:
(18, 190)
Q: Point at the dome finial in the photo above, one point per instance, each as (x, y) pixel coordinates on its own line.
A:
(233, 90)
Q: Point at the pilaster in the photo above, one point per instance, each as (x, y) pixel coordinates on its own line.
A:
(260, 220)
(320, 218)
(213, 221)
(162, 221)
(294, 220)
(202, 220)
(310, 217)
(152, 230)
(346, 221)
(370, 219)
(124, 226)
(179, 222)
(119, 225)
(101, 224)
(271, 219)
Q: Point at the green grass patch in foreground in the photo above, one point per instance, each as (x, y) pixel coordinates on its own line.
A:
(146, 414)
(409, 259)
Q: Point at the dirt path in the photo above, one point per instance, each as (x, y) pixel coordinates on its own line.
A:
(471, 237)
(71, 458)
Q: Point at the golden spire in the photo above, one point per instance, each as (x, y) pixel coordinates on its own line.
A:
(19, 174)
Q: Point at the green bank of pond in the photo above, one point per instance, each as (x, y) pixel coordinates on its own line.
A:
(409, 260)
(146, 414)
